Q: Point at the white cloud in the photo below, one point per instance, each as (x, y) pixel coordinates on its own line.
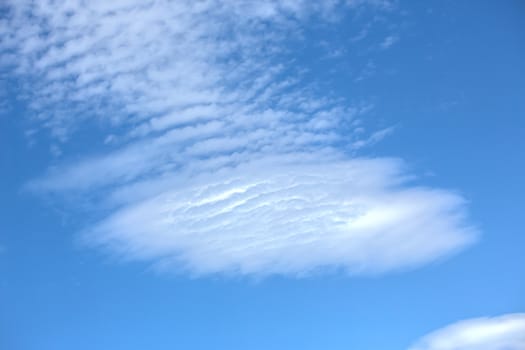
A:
(221, 158)
(496, 333)
(263, 217)
(374, 138)
(389, 42)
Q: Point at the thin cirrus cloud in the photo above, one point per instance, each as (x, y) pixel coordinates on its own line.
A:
(505, 332)
(221, 159)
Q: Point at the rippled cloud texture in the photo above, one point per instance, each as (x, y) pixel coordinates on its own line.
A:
(220, 158)
(498, 333)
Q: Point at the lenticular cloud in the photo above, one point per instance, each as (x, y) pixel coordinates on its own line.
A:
(214, 154)
(505, 332)
(355, 215)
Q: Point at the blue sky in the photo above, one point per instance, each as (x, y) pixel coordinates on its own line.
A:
(270, 175)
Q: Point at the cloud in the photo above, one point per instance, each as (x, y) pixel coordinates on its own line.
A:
(264, 217)
(389, 42)
(132, 61)
(218, 157)
(496, 333)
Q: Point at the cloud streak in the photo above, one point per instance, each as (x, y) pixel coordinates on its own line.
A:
(496, 333)
(219, 157)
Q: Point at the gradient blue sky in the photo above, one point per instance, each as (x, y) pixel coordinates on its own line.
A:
(378, 146)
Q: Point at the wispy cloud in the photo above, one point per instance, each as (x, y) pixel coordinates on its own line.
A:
(389, 41)
(222, 159)
(497, 333)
